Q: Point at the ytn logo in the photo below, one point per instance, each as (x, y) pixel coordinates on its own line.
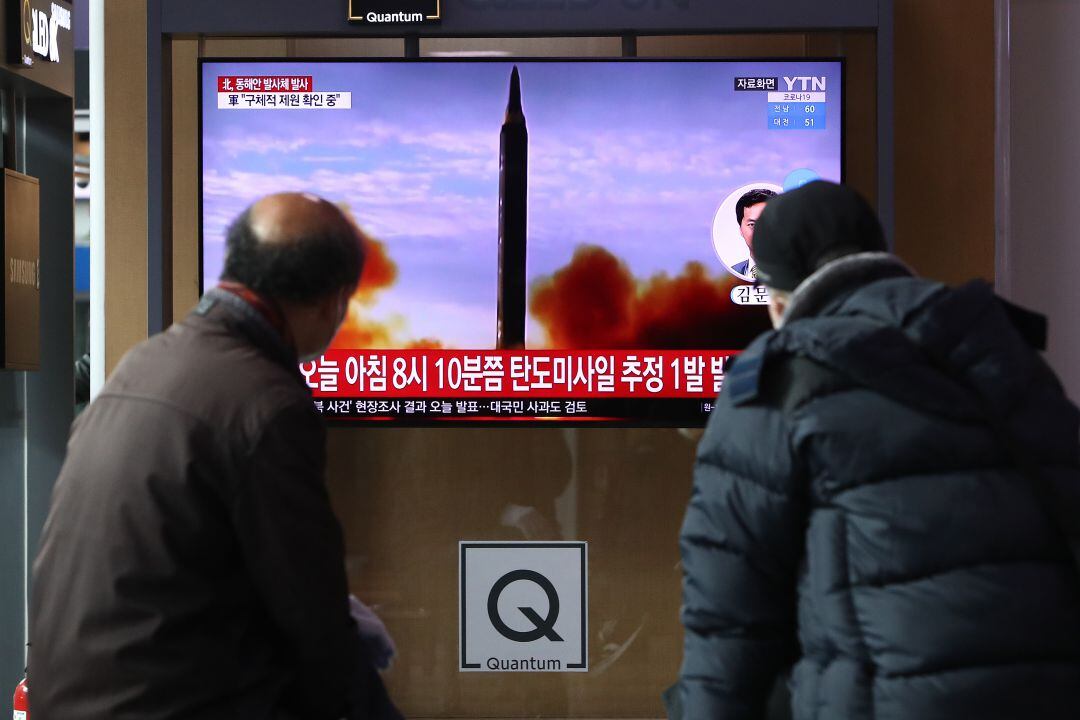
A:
(806, 84)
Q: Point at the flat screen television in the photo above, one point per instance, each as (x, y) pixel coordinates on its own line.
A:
(551, 241)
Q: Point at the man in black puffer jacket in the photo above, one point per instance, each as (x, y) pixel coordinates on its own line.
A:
(885, 497)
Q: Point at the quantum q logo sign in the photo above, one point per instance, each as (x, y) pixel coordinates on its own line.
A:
(541, 627)
(524, 607)
(25, 272)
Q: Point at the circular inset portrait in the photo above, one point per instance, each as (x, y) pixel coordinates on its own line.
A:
(733, 227)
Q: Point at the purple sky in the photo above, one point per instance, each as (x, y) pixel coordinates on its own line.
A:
(632, 156)
(81, 24)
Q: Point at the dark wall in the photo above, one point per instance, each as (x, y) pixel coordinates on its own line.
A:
(12, 457)
(536, 17)
(36, 408)
(51, 390)
(945, 124)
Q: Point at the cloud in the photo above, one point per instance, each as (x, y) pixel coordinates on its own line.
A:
(480, 168)
(247, 186)
(691, 310)
(389, 203)
(362, 329)
(613, 157)
(482, 143)
(262, 144)
(331, 159)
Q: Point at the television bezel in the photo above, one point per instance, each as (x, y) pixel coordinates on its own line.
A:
(455, 422)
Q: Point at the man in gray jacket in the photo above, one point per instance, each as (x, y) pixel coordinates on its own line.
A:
(191, 565)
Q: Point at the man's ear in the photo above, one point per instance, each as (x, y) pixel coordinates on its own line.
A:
(777, 306)
(328, 305)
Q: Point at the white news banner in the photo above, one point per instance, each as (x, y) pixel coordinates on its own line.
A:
(284, 101)
(524, 606)
(797, 97)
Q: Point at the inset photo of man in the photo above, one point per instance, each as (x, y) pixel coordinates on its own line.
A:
(734, 241)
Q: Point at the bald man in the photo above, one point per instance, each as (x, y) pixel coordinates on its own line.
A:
(191, 566)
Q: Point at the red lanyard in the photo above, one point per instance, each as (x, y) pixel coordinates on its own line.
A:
(265, 307)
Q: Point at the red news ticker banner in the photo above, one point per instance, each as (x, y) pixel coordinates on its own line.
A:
(265, 83)
(518, 373)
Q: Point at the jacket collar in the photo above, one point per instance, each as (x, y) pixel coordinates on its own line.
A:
(839, 278)
(248, 320)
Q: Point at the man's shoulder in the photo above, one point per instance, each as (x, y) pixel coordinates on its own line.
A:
(776, 372)
(743, 378)
(199, 368)
(749, 432)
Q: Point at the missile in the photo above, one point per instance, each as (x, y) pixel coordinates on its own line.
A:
(513, 209)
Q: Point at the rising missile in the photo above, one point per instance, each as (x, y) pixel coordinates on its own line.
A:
(513, 208)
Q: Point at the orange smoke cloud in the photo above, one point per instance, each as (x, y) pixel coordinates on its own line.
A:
(587, 304)
(380, 272)
(595, 302)
(362, 332)
(424, 344)
(356, 333)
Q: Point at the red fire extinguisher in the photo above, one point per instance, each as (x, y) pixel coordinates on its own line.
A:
(21, 702)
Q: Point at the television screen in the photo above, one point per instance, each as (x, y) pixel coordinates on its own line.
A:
(549, 240)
